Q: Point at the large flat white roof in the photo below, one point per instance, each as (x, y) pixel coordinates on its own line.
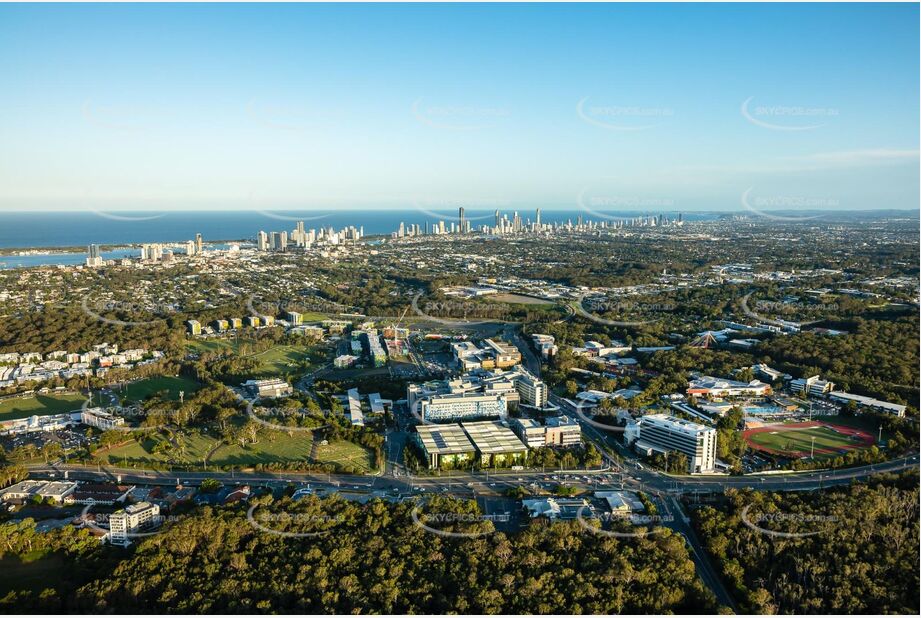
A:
(491, 437)
(675, 424)
(444, 439)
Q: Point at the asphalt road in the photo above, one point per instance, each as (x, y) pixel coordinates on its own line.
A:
(675, 519)
(632, 478)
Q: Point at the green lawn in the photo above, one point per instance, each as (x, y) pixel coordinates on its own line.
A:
(273, 447)
(140, 390)
(346, 453)
(274, 362)
(211, 345)
(141, 453)
(281, 359)
(313, 316)
(801, 440)
(23, 407)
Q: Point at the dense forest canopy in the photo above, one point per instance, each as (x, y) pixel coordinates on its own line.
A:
(373, 558)
(863, 560)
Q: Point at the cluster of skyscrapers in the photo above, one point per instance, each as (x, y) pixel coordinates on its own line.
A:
(150, 252)
(503, 225)
(305, 239)
(155, 252)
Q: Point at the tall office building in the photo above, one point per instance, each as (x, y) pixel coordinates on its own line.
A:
(462, 226)
(663, 433)
(262, 241)
(537, 219)
(189, 248)
(93, 258)
(152, 252)
(279, 241)
(298, 235)
(532, 390)
(497, 217)
(198, 244)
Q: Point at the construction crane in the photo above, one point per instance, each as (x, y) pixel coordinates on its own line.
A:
(396, 326)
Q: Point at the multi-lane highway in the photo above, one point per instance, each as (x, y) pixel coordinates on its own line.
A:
(627, 475)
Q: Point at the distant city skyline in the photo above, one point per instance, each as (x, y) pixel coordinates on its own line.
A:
(590, 108)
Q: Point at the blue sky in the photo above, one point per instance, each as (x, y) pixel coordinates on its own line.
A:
(312, 106)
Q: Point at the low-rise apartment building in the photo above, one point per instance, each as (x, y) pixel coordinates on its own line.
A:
(718, 387)
(557, 431)
(275, 387)
(813, 386)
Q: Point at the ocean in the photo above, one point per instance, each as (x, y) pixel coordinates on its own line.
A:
(50, 230)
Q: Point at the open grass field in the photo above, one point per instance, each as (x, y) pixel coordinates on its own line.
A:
(275, 448)
(279, 360)
(313, 316)
(274, 362)
(210, 345)
(140, 390)
(272, 448)
(196, 447)
(796, 439)
(24, 407)
(347, 454)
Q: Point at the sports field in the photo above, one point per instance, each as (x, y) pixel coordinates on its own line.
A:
(796, 439)
(39, 405)
(140, 390)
